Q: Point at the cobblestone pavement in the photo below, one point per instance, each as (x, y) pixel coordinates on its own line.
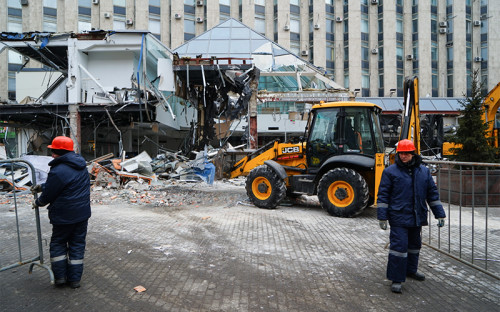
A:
(219, 254)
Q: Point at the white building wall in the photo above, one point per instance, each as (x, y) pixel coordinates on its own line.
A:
(34, 83)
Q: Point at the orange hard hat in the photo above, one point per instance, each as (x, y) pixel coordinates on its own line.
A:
(62, 143)
(405, 146)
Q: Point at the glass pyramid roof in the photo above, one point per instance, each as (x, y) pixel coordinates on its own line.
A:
(233, 39)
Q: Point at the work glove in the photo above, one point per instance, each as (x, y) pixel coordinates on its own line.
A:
(36, 189)
(382, 224)
(440, 222)
(34, 205)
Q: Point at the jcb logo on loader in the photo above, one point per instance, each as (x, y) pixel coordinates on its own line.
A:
(292, 149)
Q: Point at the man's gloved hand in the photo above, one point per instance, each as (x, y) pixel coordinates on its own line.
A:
(34, 205)
(382, 224)
(440, 222)
(36, 188)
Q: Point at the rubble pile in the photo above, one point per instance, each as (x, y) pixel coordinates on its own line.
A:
(168, 180)
(168, 194)
(117, 173)
(172, 194)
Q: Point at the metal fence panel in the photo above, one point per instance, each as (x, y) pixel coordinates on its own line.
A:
(23, 242)
(469, 193)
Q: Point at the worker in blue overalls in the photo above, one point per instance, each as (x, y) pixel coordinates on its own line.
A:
(67, 192)
(405, 190)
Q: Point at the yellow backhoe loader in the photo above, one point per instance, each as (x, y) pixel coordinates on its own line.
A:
(341, 160)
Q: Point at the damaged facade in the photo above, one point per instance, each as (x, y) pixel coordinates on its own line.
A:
(118, 93)
(125, 91)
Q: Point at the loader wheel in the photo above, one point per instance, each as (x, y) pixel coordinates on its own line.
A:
(343, 192)
(264, 188)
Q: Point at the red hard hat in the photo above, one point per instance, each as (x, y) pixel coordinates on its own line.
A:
(405, 146)
(62, 143)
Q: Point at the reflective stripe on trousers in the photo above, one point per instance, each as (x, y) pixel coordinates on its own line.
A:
(68, 241)
(403, 253)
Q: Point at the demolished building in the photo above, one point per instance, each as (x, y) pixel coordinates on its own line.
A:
(127, 91)
(117, 92)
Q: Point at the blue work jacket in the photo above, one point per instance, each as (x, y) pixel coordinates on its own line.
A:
(67, 190)
(404, 193)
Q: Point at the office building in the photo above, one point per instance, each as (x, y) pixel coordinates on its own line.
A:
(368, 46)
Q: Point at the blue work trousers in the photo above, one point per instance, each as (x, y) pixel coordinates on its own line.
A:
(67, 248)
(405, 244)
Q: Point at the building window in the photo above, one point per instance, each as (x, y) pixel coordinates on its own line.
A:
(399, 25)
(189, 27)
(399, 82)
(260, 25)
(154, 24)
(84, 11)
(15, 4)
(224, 10)
(484, 51)
(119, 14)
(365, 53)
(330, 25)
(330, 58)
(295, 24)
(435, 82)
(295, 32)
(449, 82)
(434, 24)
(365, 82)
(50, 15)
(399, 53)
(260, 18)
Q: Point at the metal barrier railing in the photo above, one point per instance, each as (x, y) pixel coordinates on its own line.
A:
(21, 240)
(470, 193)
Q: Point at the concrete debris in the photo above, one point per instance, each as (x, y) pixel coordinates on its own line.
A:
(138, 173)
(140, 164)
(164, 196)
(14, 175)
(41, 165)
(145, 171)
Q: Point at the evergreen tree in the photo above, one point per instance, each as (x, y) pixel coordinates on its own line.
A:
(472, 143)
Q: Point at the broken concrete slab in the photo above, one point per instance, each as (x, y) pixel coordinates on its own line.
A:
(41, 165)
(140, 164)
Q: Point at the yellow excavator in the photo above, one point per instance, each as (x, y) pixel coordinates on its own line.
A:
(491, 104)
(341, 160)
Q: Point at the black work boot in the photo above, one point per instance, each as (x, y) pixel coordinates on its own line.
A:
(396, 287)
(60, 282)
(416, 276)
(74, 284)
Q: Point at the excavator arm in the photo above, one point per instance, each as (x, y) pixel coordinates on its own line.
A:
(410, 127)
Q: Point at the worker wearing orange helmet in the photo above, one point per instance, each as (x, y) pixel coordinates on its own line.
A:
(67, 193)
(406, 188)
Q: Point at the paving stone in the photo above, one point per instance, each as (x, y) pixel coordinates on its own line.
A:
(212, 254)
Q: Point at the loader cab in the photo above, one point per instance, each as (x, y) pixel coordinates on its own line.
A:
(343, 128)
